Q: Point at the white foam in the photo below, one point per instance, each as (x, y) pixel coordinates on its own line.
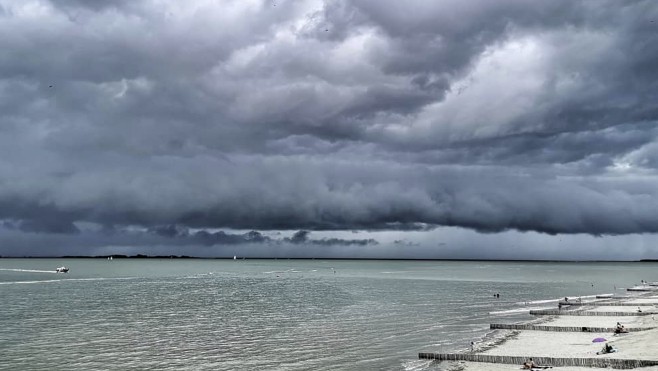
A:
(526, 304)
(538, 302)
(516, 311)
(544, 301)
(416, 365)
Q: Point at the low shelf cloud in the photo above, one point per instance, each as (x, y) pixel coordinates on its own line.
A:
(204, 124)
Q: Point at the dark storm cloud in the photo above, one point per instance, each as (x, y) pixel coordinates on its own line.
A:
(21, 238)
(443, 37)
(287, 194)
(206, 238)
(49, 226)
(93, 5)
(302, 237)
(596, 149)
(375, 115)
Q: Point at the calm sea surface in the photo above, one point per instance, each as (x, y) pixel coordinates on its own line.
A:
(167, 314)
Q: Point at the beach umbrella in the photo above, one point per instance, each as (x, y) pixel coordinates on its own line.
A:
(598, 340)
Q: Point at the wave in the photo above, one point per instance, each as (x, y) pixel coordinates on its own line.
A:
(292, 270)
(544, 301)
(416, 365)
(517, 310)
(535, 303)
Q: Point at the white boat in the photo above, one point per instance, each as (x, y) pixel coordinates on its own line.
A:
(62, 270)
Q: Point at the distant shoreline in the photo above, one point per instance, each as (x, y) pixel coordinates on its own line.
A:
(142, 256)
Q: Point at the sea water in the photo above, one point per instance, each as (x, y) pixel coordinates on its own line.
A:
(189, 314)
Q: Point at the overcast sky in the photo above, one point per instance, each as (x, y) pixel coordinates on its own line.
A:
(366, 128)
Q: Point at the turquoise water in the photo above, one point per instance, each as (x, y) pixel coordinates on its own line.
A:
(272, 314)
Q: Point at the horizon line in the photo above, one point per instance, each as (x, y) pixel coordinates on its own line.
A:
(142, 256)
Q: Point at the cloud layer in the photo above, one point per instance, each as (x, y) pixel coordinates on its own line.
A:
(329, 115)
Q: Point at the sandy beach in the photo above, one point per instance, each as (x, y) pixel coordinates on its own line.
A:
(641, 345)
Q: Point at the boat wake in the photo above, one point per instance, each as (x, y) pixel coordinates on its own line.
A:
(27, 270)
(66, 280)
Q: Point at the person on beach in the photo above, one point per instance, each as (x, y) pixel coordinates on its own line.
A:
(607, 348)
(620, 329)
(530, 364)
(639, 310)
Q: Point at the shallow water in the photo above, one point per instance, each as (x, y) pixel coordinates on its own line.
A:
(193, 314)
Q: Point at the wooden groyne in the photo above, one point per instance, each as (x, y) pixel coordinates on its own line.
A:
(548, 361)
(504, 326)
(557, 312)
